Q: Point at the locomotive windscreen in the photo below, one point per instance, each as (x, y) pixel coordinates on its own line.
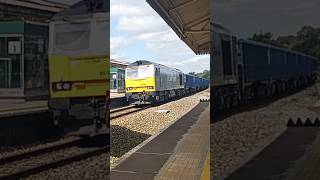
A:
(74, 37)
(71, 36)
(140, 72)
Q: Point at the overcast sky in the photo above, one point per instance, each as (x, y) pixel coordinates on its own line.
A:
(281, 17)
(139, 33)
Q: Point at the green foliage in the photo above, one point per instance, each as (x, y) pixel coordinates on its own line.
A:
(205, 74)
(264, 38)
(306, 41)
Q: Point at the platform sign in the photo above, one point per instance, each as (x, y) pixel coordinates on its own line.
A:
(14, 47)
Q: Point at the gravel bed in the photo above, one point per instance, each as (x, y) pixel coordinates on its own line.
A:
(10, 151)
(237, 138)
(129, 131)
(92, 168)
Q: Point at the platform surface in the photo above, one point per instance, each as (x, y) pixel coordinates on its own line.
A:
(12, 106)
(179, 152)
(114, 95)
(309, 166)
(295, 154)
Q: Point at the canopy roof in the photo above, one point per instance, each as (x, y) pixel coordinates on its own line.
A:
(43, 5)
(80, 8)
(190, 20)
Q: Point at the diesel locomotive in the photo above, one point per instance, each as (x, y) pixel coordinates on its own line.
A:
(148, 83)
(244, 70)
(79, 63)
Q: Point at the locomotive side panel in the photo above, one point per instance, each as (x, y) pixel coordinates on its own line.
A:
(170, 79)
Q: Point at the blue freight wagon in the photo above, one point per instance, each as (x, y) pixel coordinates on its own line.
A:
(194, 83)
(262, 70)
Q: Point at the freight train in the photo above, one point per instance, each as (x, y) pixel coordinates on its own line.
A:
(79, 63)
(244, 71)
(149, 83)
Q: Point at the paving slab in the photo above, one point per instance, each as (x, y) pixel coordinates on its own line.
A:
(188, 160)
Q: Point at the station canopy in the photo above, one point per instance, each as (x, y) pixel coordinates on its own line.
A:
(190, 20)
(84, 7)
(43, 5)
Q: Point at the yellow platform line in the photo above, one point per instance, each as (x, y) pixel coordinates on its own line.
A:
(205, 174)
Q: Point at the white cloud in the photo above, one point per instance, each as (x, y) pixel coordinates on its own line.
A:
(191, 64)
(122, 9)
(139, 25)
(116, 43)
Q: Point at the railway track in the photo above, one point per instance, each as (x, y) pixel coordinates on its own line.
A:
(36, 161)
(121, 109)
(126, 111)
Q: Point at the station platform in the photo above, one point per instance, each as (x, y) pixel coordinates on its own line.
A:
(20, 106)
(114, 95)
(117, 100)
(181, 151)
(294, 155)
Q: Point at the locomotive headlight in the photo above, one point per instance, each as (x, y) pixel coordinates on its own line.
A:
(61, 86)
(150, 87)
(58, 86)
(66, 86)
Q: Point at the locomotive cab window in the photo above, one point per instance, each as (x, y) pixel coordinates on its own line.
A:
(132, 73)
(146, 71)
(69, 37)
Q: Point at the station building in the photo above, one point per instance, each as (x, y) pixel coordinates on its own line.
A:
(117, 76)
(24, 38)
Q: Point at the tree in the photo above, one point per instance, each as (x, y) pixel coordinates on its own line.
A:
(204, 74)
(306, 41)
(263, 37)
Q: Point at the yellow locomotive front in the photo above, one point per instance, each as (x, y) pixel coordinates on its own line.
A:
(141, 83)
(79, 66)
